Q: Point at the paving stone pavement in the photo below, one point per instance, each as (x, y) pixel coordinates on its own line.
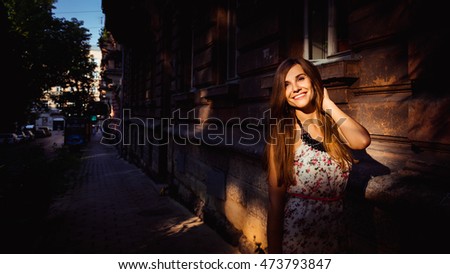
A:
(115, 208)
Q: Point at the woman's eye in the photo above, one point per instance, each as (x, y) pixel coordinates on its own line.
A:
(301, 78)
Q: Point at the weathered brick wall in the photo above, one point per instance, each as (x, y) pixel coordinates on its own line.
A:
(225, 186)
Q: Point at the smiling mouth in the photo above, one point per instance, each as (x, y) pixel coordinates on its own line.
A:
(299, 96)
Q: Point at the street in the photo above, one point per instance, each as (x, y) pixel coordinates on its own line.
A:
(113, 207)
(52, 143)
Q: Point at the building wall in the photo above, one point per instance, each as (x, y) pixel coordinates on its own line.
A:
(210, 63)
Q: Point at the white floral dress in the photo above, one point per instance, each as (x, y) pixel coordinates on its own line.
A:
(314, 206)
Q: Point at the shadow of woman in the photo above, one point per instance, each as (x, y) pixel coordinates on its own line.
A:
(358, 213)
(363, 170)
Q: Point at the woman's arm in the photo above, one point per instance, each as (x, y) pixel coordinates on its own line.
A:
(276, 209)
(355, 134)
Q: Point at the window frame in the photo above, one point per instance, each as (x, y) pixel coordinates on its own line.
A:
(333, 27)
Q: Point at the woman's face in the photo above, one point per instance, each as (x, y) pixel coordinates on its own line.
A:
(299, 90)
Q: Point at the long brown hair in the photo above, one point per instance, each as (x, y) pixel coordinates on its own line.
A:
(281, 129)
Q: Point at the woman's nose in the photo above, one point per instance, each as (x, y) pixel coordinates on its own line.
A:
(295, 88)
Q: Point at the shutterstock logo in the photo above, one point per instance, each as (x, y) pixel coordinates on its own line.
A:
(187, 128)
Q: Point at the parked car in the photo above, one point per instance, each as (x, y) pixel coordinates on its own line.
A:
(30, 127)
(46, 130)
(30, 135)
(9, 138)
(22, 136)
(40, 133)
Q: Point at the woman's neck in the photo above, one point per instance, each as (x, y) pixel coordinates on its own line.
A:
(307, 117)
(311, 124)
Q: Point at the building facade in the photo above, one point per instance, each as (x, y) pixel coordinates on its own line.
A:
(194, 93)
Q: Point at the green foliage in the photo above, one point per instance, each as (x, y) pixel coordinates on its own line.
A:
(41, 51)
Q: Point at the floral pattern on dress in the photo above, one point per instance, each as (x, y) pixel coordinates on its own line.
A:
(314, 225)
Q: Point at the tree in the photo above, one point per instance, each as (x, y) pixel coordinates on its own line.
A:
(71, 65)
(41, 52)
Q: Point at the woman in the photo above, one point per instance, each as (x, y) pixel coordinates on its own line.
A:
(308, 159)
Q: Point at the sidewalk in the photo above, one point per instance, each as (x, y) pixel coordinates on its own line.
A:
(114, 207)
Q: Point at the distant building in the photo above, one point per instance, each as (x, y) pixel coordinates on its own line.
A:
(95, 90)
(111, 71)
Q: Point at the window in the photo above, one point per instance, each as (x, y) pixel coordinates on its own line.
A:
(325, 28)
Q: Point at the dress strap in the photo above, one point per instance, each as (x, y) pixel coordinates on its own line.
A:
(306, 137)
